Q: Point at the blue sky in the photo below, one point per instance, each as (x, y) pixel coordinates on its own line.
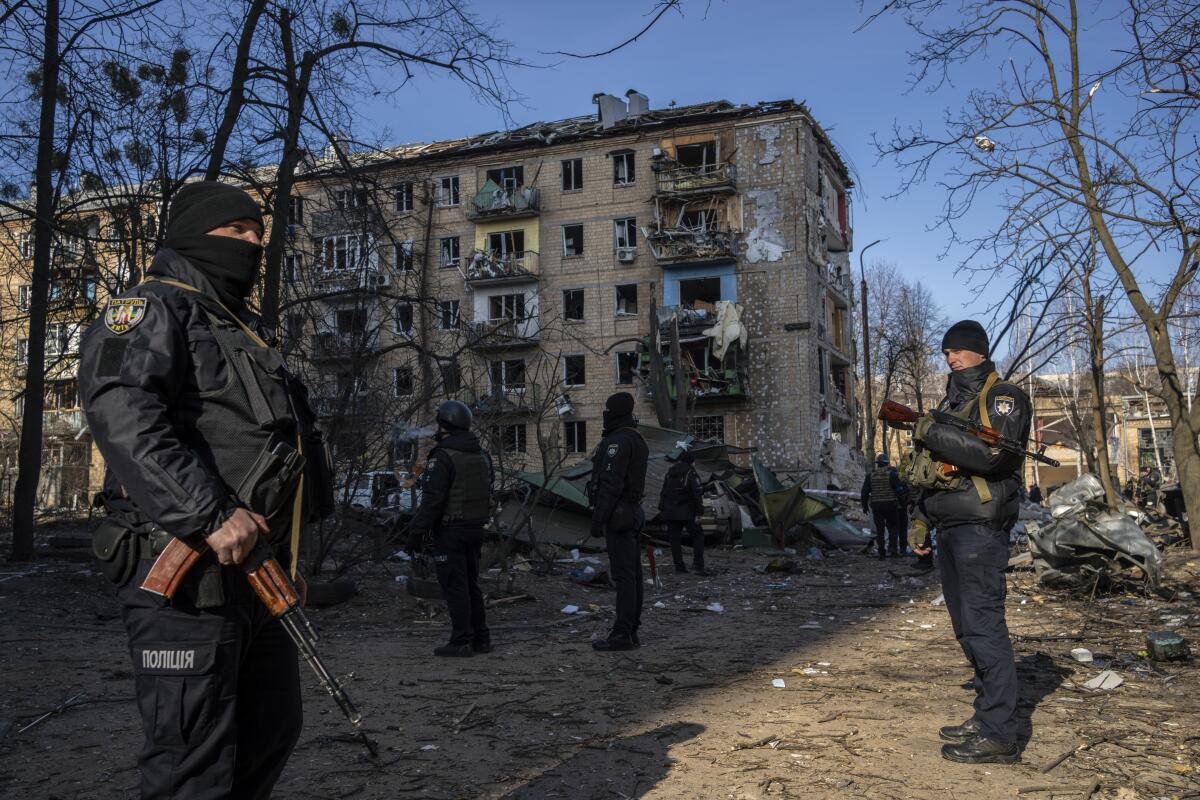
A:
(856, 85)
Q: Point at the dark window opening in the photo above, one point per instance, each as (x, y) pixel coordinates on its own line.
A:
(572, 174)
(711, 428)
(351, 321)
(404, 196)
(625, 233)
(448, 191)
(507, 243)
(506, 306)
(575, 436)
(572, 240)
(627, 301)
(448, 315)
(451, 379)
(450, 251)
(508, 375)
(701, 155)
(626, 367)
(402, 381)
(404, 256)
(295, 214)
(705, 290)
(507, 177)
(510, 438)
(575, 370)
(697, 220)
(404, 318)
(347, 199)
(623, 174)
(573, 305)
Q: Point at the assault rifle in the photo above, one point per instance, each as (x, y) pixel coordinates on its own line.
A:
(276, 591)
(899, 415)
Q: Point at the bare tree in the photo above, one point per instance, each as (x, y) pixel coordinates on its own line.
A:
(1037, 138)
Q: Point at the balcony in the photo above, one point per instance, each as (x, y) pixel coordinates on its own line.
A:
(358, 280)
(684, 181)
(329, 344)
(360, 219)
(62, 422)
(680, 245)
(503, 334)
(491, 269)
(503, 402)
(357, 404)
(713, 375)
(496, 202)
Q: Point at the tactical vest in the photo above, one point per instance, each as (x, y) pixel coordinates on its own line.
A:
(470, 500)
(247, 429)
(922, 471)
(882, 493)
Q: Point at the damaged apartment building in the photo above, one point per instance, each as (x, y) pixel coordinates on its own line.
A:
(701, 249)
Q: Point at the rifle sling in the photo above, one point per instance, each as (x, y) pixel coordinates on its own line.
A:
(981, 484)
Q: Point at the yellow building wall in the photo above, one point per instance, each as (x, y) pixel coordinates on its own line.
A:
(528, 225)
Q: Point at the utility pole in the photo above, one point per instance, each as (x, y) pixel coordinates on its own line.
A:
(869, 411)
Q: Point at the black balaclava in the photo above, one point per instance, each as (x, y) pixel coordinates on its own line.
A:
(618, 412)
(231, 265)
(966, 383)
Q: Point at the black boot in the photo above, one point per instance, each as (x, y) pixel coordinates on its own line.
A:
(454, 651)
(960, 733)
(982, 750)
(680, 569)
(482, 647)
(613, 643)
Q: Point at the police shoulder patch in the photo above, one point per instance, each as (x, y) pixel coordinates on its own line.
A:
(124, 314)
(612, 449)
(1005, 403)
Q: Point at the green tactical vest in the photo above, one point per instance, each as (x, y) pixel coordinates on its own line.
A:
(470, 498)
(922, 471)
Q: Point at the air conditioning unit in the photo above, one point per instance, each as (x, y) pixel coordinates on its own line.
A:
(375, 280)
(626, 255)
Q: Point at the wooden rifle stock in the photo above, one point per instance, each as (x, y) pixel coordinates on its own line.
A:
(173, 564)
(893, 412)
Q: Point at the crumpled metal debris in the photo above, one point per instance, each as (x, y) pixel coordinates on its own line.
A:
(1084, 540)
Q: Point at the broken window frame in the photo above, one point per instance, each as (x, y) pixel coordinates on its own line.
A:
(448, 192)
(292, 268)
(624, 298)
(572, 250)
(574, 371)
(624, 233)
(511, 244)
(403, 256)
(348, 252)
(25, 244)
(448, 315)
(402, 311)
(507, 375)
(350, 199)
(403, 382)
(507, 178)
(624, 168)
(295, 212)
(404, 196)
(510, 439)
(572, 174)
(710, 146)
(575, 436)
(22, 346)
(502, 307)
(569, 297)
(451, 377)
(24, 292)
(451, 251)
(707, 426)
(627, 366)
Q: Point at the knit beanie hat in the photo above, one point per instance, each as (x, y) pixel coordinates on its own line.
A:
(199, 207)
(966, 335)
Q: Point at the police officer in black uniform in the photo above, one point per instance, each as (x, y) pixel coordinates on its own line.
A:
(200, 425)
(974, 509)
(616, 487)
(680, 502)
(882, 493)
(456, 503)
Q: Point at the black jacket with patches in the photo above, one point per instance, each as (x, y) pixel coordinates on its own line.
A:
(437, 481)
(1011, 413)
(618, 472)
(157, 397)
(682, 496)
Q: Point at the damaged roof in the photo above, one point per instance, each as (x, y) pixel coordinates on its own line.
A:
(582, 128)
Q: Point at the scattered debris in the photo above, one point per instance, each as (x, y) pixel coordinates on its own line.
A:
(1104, 681)
(1166, 646)
(1082, 655)
(778, 683)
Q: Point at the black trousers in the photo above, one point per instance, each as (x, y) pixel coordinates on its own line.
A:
(456, 554)
(218, 690)
(675, 533)
(625, 565)
(887, 519)
(972, 559)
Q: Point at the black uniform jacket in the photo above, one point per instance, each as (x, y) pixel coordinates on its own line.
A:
(1010, 413)
(144, 371)
(437, 480)
(681, 498)
(618, 475)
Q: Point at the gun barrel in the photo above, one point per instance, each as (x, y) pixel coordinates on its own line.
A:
(328, 680)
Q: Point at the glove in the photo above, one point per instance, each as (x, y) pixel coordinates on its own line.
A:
(918, 532)
(922, 427)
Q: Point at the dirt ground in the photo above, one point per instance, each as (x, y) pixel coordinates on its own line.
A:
(868, 662)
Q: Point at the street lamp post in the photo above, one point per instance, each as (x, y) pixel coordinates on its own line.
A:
(869, 411)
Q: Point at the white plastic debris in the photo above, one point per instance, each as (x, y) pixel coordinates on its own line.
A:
(575, 554)
(1104, 681)
(660, 604)
(1082, 655)
(927, 625)
(778, 683)
(717, 607)
(940, 600)
(813, 671)
(570, 609)
(429, 747)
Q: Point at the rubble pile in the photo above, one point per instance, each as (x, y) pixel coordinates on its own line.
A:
(1081, 542)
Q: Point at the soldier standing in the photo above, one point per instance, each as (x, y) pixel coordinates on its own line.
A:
(615, 489)
(680, 502)
(456, 503)
(969, 492)
(883, 493)
(199, 423)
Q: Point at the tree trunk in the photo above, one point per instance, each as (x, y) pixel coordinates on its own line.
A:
(1099, 417)
(29, 456)
(679, 418)
(237, 91)
(658, 371)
